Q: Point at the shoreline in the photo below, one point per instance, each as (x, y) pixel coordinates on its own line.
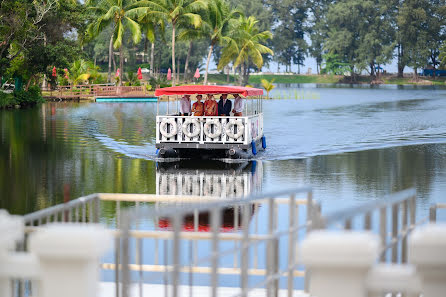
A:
(332, 79)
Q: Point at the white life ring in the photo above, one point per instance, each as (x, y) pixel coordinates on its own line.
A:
(173, 127)
(240, 129)
(195, 130)
(217, 128)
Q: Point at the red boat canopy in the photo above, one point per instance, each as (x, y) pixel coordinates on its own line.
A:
(202, 89)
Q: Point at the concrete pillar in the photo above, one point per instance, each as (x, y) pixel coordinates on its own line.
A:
(69, 258)
(427, 251)
(393, 278)
(338, 262)
(11, 230)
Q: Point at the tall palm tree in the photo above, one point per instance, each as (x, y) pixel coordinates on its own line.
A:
(243, 45)
(217, 20)
(149, 26)
(177, 13)
(120, 14)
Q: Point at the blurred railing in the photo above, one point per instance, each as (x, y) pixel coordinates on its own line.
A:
(433, 211)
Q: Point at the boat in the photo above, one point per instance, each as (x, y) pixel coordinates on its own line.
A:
(209, 137)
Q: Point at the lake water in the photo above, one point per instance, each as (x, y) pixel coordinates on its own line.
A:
(350, 143)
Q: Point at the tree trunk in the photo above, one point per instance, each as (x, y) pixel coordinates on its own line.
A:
(372, 69)
(178, 69)
(186, 64)
(44, 85)
(121, 66)
(207, 63)
(400, 61)
(152, 58)
(227, 76)
(173, 54)
(415, 74)
(240, 77)
(110, 57)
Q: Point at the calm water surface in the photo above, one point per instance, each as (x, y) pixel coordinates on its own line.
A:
(351, 144)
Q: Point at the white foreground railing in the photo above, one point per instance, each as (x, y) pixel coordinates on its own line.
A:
(247, 244)
(201, 130)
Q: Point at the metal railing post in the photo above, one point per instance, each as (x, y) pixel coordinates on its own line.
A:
(395, 209)
(291, 244)
(433, 213)
(215, 224)
(245, 251)
(383, 230)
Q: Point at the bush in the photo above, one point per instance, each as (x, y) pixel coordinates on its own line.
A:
(30, 97)
(6, 100)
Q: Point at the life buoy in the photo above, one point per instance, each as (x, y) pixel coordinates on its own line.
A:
(240, 129)
(217, 128)
(195, 130)
(173, 127)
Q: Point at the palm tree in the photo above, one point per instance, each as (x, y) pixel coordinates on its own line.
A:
(244, 45)
(120, 14)
(149, 26)
(177, 13)
(217, 20)
(268, 86)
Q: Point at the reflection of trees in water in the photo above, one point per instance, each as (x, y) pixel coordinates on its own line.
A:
(383, 170)
(42, 149)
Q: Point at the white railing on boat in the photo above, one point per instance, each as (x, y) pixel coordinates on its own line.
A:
(206, 129)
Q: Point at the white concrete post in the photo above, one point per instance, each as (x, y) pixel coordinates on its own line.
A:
(69, 258)
(393, 278)
(338, 262)
(11, 230)
(427, 251)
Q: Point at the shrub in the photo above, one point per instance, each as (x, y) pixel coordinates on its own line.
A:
(32, 96)
(6, 100)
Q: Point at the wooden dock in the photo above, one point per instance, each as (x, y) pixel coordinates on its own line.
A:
(91, 92)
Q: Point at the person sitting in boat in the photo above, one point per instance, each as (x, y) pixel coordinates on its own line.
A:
(185, 105)
(224, 106)
(198, 107)
(210, 106)
(239, 105)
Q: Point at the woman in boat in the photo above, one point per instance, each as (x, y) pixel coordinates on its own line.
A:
(198, 107)
(210, 106)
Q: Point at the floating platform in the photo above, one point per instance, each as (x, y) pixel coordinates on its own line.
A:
(126, 99)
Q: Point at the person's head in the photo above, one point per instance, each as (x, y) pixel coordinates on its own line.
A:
(199, 97)
(224, 96)
(187, 97)
(210, 97)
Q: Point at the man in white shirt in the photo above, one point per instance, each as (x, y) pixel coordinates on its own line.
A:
(185, 105)
(239, 105)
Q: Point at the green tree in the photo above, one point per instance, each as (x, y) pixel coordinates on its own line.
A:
(178, 13)
(217, 19)
(244, 45)
(120, 14)
(413, 32)
(268, 86)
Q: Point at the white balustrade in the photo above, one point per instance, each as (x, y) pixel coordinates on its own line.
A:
(63, 258)
(427, 251)
(338, 262)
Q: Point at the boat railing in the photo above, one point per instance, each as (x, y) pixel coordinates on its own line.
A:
(208, 129)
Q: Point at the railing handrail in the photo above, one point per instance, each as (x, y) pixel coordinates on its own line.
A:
(386, 201)
(135, 214)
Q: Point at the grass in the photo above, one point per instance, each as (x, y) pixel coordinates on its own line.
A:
(327, 79)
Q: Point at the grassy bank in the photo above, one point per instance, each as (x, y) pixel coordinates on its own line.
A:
(327, 79)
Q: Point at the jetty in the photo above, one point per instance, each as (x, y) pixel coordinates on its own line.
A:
(100, 93)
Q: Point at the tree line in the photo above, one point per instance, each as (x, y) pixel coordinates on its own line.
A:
(344, 36)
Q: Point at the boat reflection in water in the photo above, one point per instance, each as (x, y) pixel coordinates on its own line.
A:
(204, 181)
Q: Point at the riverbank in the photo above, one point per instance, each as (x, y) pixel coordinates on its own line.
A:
(21, 98)
(329, 79)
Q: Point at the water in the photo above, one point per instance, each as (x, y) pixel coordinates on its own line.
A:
(351, 144)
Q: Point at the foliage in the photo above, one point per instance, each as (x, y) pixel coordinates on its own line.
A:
(334, 65)
(244, 45)
(268, 86)
(6, 100)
